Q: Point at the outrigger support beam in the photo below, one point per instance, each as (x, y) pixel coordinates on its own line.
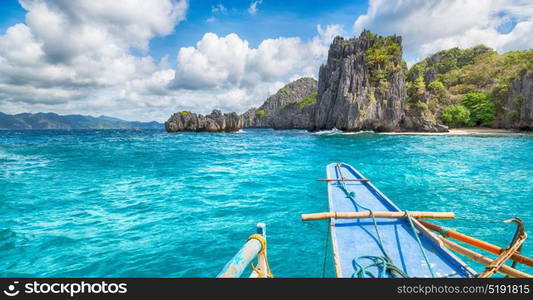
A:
(482, 259)
(254, 247)
(377, 214)
(450, 233)
(342, 179)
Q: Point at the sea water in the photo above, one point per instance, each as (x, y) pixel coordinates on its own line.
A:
(102, 203)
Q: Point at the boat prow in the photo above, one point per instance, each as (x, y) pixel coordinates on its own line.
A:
(357, 245)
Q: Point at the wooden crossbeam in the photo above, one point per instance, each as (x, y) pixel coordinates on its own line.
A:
(377, 214)
(334, 179)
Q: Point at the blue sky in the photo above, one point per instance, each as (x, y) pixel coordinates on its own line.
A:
(273, 19)
(143, 60)
(10, 13)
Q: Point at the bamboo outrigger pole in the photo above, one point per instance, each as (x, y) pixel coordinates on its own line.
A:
(482, 259)
(377, 214)
(476, 242)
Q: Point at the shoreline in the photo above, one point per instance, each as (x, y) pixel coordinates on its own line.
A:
(465, 131)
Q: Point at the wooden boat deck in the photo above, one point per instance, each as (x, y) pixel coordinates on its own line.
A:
(352, 238)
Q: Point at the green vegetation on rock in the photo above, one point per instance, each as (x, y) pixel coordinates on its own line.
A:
(455, 115)
(383, 57)
(260, 113)
(416, 90)
(513, 115)
(308, 100)
(421, 105)
(477, 78)
(436, 86)
(447, 60)
(185, 113)
(283, 92)
(371, 97)
(481, 107)
(493, 73)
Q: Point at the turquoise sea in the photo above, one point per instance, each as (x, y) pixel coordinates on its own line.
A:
(106, 203)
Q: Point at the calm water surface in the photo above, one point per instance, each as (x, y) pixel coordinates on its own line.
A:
(147, 203)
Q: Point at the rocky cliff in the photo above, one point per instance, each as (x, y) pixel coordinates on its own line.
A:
(517, 105)
(474, 87)
(365, 85)
(362, 85)
(290, 108)
(214, 122)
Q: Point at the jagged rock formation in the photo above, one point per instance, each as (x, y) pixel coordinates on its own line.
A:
(362, 87)
(290, 108)
(420, 120)
(517, 106)
(214, 122)
(365, 85)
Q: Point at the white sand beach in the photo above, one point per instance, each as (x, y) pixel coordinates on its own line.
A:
(466, 131)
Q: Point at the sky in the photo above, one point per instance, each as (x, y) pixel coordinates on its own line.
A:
(144, 60)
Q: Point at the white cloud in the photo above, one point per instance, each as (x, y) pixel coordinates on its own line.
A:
(253, 8)
(226, 73)
(222, 62)
(428, 26)
(227, 66)
(76, 57)
(67, 52)
(219, 8)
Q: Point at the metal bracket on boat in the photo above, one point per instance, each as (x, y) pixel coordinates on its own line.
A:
(519, 229)
(515, 246)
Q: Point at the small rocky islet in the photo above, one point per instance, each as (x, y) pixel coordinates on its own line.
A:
(366, 85)
(214, 122)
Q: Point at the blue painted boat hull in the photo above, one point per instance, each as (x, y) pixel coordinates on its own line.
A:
(353, 238)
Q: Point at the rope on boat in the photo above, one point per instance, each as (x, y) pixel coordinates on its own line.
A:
(384, 263)
(326, 244)
(263, 243)
(420, 244)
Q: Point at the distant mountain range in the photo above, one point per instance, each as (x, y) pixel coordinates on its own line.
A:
(55, 121)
